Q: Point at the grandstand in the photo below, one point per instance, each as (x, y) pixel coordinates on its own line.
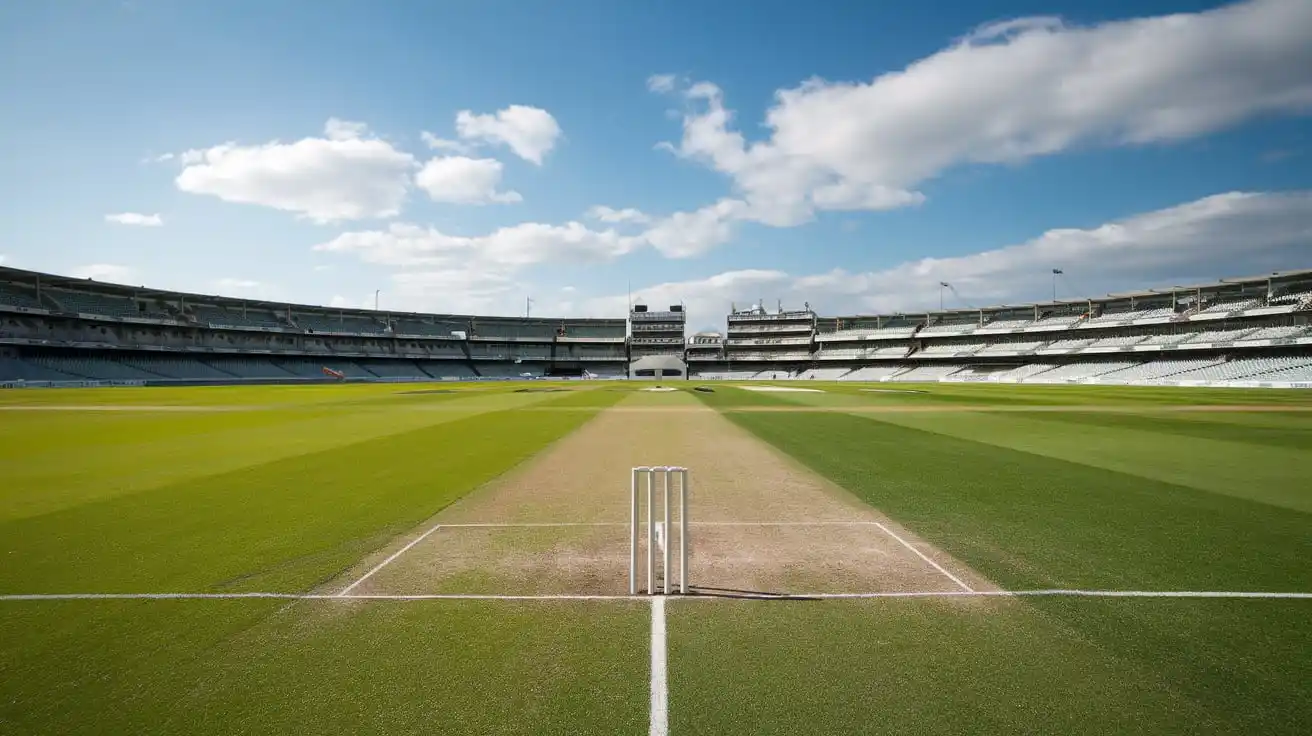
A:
(1245, 331)
(59, 331)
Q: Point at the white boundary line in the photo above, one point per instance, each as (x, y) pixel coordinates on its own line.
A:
(660, 694)
(922, 556)
(1048, 592)
(531, 524)
(388, 561)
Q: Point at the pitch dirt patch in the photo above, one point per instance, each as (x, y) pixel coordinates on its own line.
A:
(781, 390)
(558, 524)
(427, 391)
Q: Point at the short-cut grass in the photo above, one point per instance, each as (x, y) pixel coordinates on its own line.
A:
(285, 489)
(1124, 500)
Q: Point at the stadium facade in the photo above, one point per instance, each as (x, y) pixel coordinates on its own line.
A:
(59, 331)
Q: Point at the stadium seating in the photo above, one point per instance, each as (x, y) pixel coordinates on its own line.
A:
(1115, 317)
(1011, 347)
(1072, 344)
(1230, 306)
(875, 333)
(1006, 324)
(1079, 371)
(1020, 373)
(953, 348)
(238, 317)
(959, 328)
(339, 323)
(1167, 339)
(1156, 370)
(1241, 369)
(823, 374)
(873, 372)
(926, 373)
(1220, 335)
(1063, 320)
(1119, 341)
(1279, 333)
(17, 295)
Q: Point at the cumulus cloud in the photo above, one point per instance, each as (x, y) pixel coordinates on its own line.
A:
(347, 174)
(530, 132)
(609, 214)
(462, 180)
(687, 234)
(442, 144)
(136, 219)
(402, 244)
(661, 83)
(107, 272)
(1005, 93)
(1230, 234)
(706, 300)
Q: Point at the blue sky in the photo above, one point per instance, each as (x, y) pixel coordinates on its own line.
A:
(849, 154)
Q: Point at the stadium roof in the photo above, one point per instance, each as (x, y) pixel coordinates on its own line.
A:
(105, 287)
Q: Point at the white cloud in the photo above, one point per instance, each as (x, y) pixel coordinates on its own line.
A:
(134, 218)
(460, 291)
(609, 214)
(461, 180)
(706, 300)
(530, 132)
(2, 259)
(687, 234)
(442, 144)
(1005, 93)
(1231, 234)
(511, 247)
(661, 83)
(107, 272)
(346, 175)
(344, 130)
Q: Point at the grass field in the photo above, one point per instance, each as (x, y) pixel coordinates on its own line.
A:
(417, 559)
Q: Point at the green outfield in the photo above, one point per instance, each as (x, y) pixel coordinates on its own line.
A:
(450, 558)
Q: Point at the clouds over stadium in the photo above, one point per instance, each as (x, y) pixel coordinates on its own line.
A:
(1226, 234)
(1236, 233)
(1004, 93)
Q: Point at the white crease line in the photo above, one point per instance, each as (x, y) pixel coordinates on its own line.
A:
(782, 523)
(388, 561)
(1051, 592)
(530, 524)
(660, 697)
(922, 556)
